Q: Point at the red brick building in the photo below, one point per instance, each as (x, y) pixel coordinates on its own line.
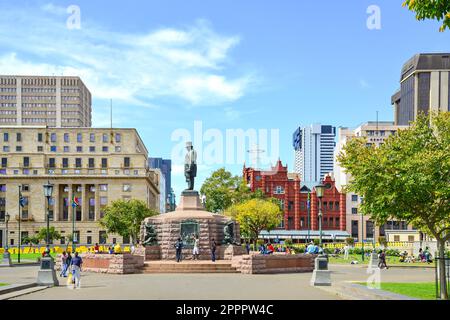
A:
(286, 187)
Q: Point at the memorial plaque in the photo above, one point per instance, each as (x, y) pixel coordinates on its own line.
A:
(189, 229)
(45, 264)
(323, 264)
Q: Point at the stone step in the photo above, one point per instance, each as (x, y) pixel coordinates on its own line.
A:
(188, 267)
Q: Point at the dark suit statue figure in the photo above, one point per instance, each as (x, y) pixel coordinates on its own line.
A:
(190, 165)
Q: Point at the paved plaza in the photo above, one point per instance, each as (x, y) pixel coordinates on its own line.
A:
(206, 286)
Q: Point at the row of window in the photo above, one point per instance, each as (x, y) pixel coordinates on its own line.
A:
(65, 162)
(126, 187)
(66, 136)
(35, 172)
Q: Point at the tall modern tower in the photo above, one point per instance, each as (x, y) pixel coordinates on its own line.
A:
(314, 151)
(165, 165)
(44, 101)
(424, 87)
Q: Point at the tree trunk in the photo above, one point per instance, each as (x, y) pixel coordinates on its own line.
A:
(442, 269)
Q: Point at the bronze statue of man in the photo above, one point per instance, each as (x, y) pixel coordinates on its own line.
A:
(190, 165)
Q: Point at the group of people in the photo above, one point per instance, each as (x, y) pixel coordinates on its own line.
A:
(71, 267)
(196, 249)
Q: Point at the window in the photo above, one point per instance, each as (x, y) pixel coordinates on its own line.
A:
(105, 138)
(89, 239)
(355, 230)
(354, 210)
(118, 149)
(410, 238)
(92, 149)
(53, 137)
(6, 137)
(65, 162)
(279, 190)
(136, 172)
(66, 149)
(79, 137)
(397, 238)
(18, 137)
(53, 148)
(78, 162)
(51, 162)
(18, 148)
(105, 149)
(5, 148)
(79, 149)
(92, 137)
(103, 201)
(26, 162)
(40, 137)
(25, 187)
(354, 197)
(91, 163)
(104, 162)
(40, 148)
(127, 187)
(103, 187)
(118, 137)
(369, 229)
(2, 187)
(66, 137)
(126, 162)
(4, 162)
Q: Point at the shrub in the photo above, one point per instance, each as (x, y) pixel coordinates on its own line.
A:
(288, 242)
(393, 252)
(316, 242)
(350, 241)
(382, 241)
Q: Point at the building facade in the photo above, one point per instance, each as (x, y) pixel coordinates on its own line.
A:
(165, 166)
(424, 87)
(361, 227)
(92, 167)
(47, 101)
(313, 151)
(287, 187)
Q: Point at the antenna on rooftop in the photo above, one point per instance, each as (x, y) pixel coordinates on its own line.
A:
(257, 152)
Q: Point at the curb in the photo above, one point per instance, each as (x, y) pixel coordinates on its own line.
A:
(16, 287)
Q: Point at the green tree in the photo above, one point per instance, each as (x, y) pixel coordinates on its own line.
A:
(124, 217)
(255, 215)
(407, 178)
(220, 190)
(52, 234)
(427, 9)
(34, 240)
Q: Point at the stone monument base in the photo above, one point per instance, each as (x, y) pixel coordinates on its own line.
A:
(47, 273)
(374, 260)
(321, 274)
(6, 260)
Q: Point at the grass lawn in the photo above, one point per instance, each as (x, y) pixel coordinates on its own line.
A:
(3, 284)
(28, 257)
(357, 257)
(421, 290)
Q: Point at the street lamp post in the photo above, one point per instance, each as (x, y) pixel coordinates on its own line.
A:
(308, 208)
(320, 189)
(47, 273)
(362, 231)
(6, 256)
(321, 274)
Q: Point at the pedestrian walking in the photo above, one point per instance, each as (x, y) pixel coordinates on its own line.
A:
(63, 264)
(178, 249)
(77, 262)
(213, 250)
(247, 247)
(196, 250)
(69, 263)
(382, 260)
(346, 251)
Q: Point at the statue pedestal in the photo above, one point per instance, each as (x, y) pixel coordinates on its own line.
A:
(189, 200)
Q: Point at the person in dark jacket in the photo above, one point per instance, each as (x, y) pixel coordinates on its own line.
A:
(213, 250)
(178, 247)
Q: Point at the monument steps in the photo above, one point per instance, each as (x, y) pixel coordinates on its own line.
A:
(188, 267)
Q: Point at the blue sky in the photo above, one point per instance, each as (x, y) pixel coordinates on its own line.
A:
(229, 64)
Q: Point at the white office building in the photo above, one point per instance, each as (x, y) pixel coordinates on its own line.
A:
(314, 151)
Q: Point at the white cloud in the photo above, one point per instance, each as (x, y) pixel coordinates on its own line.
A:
(186, 63)
(364, 84)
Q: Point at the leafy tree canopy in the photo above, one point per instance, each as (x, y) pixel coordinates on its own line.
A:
(42, 235)
(407, 178)
(431, 9)
(124, 217)
(255, 215)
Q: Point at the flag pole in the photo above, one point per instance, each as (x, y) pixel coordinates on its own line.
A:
(20, 218)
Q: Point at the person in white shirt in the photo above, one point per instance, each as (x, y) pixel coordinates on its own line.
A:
(196, 250)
